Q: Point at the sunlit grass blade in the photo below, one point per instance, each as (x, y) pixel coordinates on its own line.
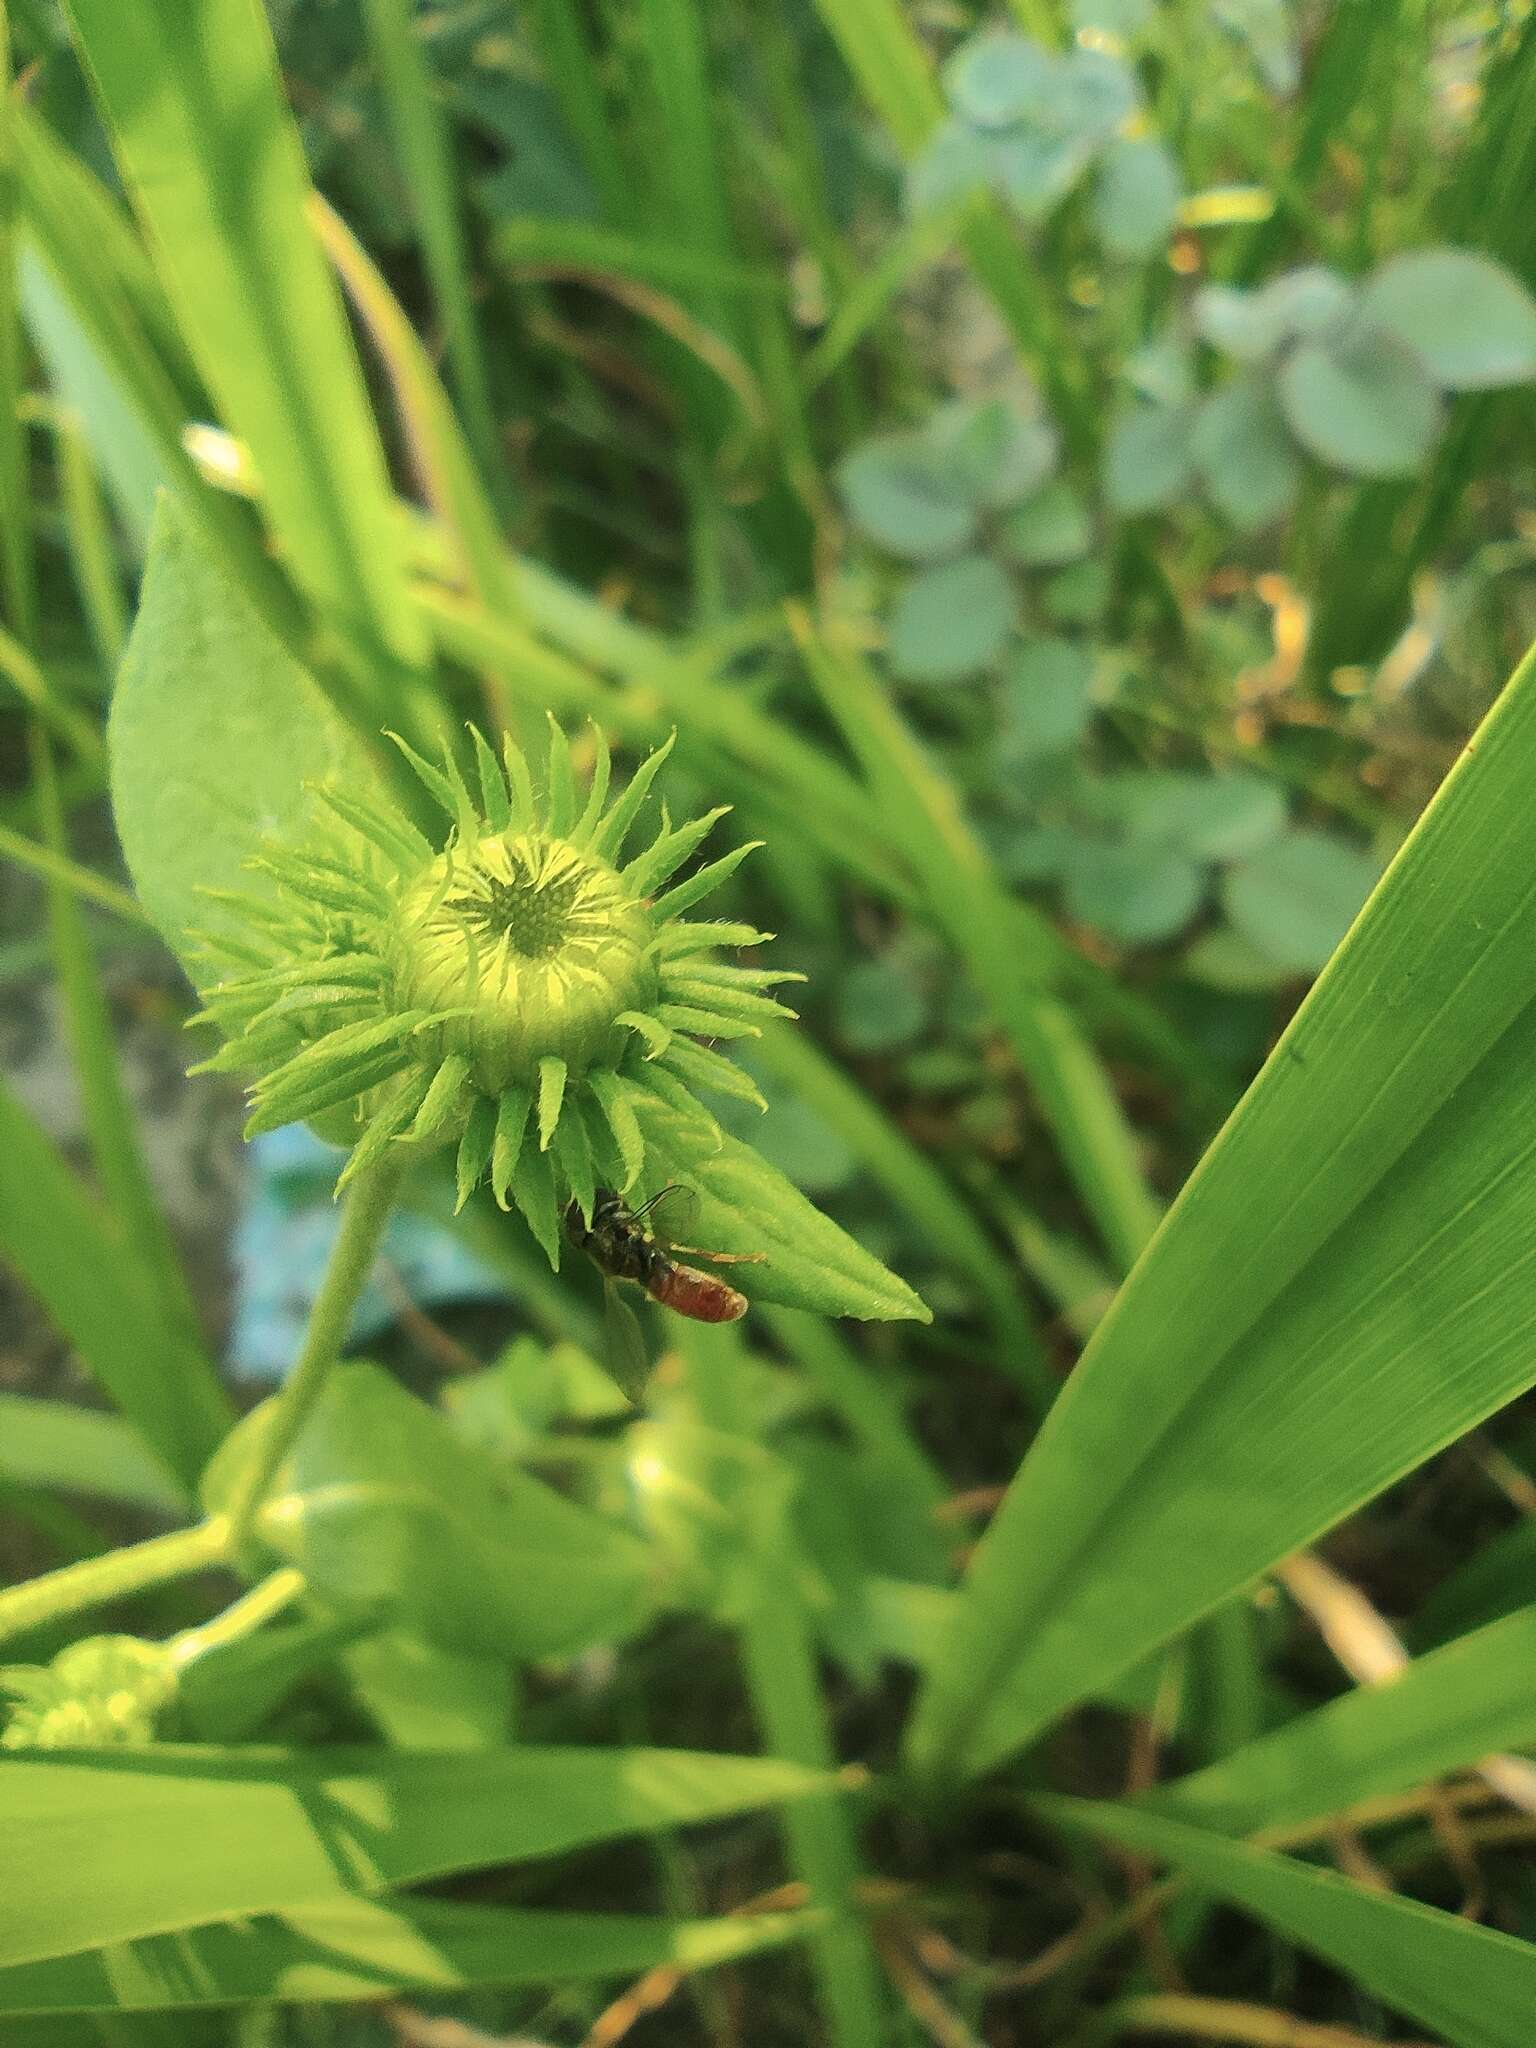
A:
(214, 166)
(425, 146)
(240, 1832)
(1344, 1286)
(1009, 949)
(362, 1949)
(89, 1279)
(1475, 1987)
(94, 310)
(1445, 1712)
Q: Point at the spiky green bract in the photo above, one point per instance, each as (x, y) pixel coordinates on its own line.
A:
(522, 993)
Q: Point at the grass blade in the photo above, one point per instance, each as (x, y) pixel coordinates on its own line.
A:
(257, 1831)
(1443, 1713)
(361, 1949)
(1473, 1986)
(1344, 1286)
(1010, 950)
(89, 1279)
(191, 97)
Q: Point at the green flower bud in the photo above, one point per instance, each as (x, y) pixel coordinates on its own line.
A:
(521, 992)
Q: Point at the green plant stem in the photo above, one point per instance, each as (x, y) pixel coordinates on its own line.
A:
(363, 1217)
(242, 1617)
(95, 1580)
(779, 1656)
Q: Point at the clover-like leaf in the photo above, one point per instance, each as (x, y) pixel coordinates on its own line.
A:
(1361, 400)
(908, 496)
(1245, 457)
(1148, 460)
(998, 78)
(1136, 200)
(951, 621)
(1471, 321)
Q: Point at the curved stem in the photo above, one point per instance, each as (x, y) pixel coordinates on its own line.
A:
(364, 1214)
(95, 1580)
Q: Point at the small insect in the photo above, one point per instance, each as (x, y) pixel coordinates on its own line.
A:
(622, 1248)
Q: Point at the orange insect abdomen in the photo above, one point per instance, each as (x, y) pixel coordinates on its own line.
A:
(688, 1292)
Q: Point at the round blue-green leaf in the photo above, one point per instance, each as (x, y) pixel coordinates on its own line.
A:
(1210, 817)
(999, 451)
(1163, 369)
(1137, 894)
(1471, 320)
(994, 80)
(1050, 528)
(1078, 595)
(951, 621)
(1035, 168)
(1246, 459)
(1123, 18)
(1250, 325)
(957, 159)
(1224, 960)
(904, 494)
(1034, 853)
(1047, 699)
(1296, 898)
(1361, 400)
(1136, 199)
(1094, 92)
(879, 1005)
(1148, 461)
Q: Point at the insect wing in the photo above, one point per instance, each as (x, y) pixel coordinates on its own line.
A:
(670, 1216)
(628, 1362)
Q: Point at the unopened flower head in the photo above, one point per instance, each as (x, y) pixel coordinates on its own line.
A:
(526, 992)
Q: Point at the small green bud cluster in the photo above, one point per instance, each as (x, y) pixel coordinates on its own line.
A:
(523, 992)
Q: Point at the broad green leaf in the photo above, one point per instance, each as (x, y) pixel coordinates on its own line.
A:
(243, 1831)
(1094, 93)
(1245, 457)
(215, 732)
(212, 161)
(1136, 198)
(1047, 701)
(998, 78)
(1470, 320)
(85, 1273)
(1495, 1579)
(384, 1510)
(1034, 168)
(79, 1450)
(363, 1949)
(1343, 1287)
(1052, 527)
(1148, 459)
(1475, 1987)
(1297, 896)
(1136, 893)
(1443, 1713)
(744, 1205)
(951, 621)
(1077, 596)
(1250, 325)
(901, 490)
(1362, 400)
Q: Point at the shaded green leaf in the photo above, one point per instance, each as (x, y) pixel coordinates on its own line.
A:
(385, 1511)
(1250, 325)
(1136, 198)
(1137, 894)
(996, 79)
(1052, 527)
(904, 494)
(1047, 700)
